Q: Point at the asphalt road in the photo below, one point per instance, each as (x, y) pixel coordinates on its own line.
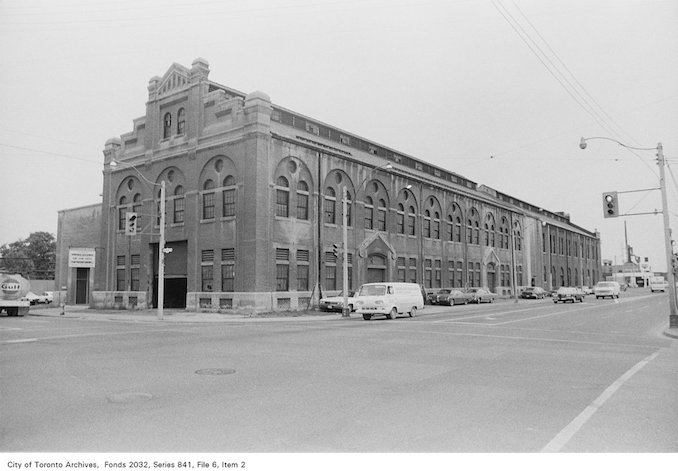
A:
(505, 377)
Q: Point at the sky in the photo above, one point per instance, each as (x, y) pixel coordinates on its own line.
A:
(500, 91)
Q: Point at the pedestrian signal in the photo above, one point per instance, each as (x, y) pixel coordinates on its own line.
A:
(130, 223)
(610, 204)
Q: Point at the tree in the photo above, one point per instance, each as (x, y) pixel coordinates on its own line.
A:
(33, 257)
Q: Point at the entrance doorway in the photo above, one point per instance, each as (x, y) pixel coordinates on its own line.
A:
(174, 295)
(376, 268)
(176, 277)
(492, 277)
(81, 285)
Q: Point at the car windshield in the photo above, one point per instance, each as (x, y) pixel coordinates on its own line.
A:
(472, 290)
(372, 290)
(443, 291)
(604, 284)
(528, 289)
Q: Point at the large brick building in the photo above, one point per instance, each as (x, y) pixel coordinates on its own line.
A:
(254, 208)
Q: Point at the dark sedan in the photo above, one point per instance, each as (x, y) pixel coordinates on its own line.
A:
(566, 294)
(533, 292)
(453, 296)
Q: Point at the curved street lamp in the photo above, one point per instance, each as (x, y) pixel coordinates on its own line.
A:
(161, 243)
(673, 312)
(345, 311)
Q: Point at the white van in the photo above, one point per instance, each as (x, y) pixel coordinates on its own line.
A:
(389, 299)
(657, 283)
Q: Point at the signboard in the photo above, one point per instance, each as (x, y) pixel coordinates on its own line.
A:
(81, 258)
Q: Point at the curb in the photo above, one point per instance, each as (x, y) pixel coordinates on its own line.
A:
(671, 333)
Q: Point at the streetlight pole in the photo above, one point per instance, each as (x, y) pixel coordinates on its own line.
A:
(345, 311)
(673, 310)
(161, 253)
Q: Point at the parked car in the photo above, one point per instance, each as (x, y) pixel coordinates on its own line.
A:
(431, 296)
(481, 295)
(587, 290)
(34, 299)
(565, 294)
(49, 295)
(604, 289)
(336, 303)
(533, 292)
(454, 296)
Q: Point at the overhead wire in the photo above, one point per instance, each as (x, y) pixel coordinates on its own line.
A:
(585, 100)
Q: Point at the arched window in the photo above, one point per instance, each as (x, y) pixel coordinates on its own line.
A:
(427, 223)
(435, 229)
(411, 221)
(517, 236)
(179, 204)
(122, 209)
(454, 222)
(208, 200)
(473, 227)
(330, 205)
(228, 197)
(369, 213)
(400, 219)
(381, 215)
(302, 200)
(167, 126)
(489, 231)
(181, 121)
(282, 199)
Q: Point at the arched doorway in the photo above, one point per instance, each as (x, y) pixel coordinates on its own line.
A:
(376, 268)
(492, 277)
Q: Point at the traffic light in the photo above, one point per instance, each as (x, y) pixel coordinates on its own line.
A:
(335, 249)
(610, 204)
(130, 223)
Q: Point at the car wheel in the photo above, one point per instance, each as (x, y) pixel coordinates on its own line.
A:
(367, 317)
(491, 300)
(393, 314)
(413, 312)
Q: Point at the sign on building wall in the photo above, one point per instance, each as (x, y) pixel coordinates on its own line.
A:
(81, 258)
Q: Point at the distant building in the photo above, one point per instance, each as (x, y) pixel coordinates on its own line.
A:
(254, 208)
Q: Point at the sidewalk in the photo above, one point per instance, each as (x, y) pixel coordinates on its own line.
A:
(180, 315)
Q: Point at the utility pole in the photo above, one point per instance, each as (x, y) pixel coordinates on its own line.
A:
(345, 311)
(673, 314)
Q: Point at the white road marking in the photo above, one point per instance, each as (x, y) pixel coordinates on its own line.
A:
(18, 341)
(566, 434)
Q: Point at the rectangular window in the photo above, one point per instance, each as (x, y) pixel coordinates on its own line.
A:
(302, 277)
(227, 277)
(400, 223)
(282, 277)
(477, 274)
(134, 278)
(207, 270)
(330, 271)
(120, 274)
(302, 206)
(412, 272)
(282, 203)
(207, 277)
(229, 203)
(120, 279)
(369, 211)
(460, 274)
(437, 278)
(179, 204)
(402, 269)
(208, 205)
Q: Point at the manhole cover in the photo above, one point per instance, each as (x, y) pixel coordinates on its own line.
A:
(127, 397)
(215, 371)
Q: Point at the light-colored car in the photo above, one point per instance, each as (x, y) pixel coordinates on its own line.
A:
(604, 289)
(454, 296)
(565, 294)
(389, 299)
(533, 292)
(587, 290)
(34, 299)
(481, 295)
(336, 303)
